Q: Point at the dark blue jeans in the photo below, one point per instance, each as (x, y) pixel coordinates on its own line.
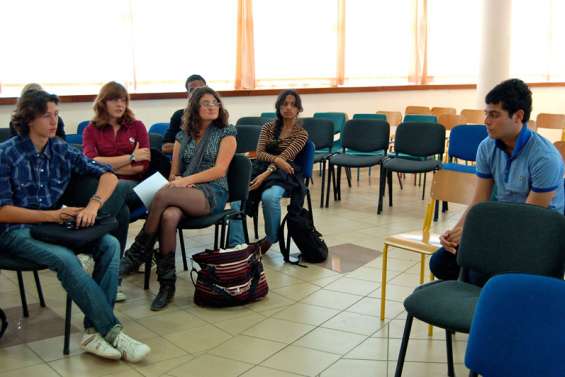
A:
(443, 265)
(94, 295)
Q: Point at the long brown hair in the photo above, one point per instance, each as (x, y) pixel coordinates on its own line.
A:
(191, 122)
(111, 91)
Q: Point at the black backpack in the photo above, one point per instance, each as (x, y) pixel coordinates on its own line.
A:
(301, 229)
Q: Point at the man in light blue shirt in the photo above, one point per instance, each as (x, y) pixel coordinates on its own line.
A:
(522, 165)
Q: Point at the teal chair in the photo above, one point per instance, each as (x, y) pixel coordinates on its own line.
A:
(418, 118)
(338, 119)
(269, 115)
(370, 116)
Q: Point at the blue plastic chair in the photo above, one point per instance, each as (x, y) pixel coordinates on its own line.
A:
(159, 128)
(464, 142)
(77, 138)
(419, 118)
(518, 328)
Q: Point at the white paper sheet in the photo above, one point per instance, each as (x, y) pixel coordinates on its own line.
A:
(147, 189)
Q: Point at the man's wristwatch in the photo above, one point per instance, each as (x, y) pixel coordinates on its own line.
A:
(271, 169)
(132, 157)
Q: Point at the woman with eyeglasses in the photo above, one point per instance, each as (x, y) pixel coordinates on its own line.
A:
(280, 141)
(197, 187)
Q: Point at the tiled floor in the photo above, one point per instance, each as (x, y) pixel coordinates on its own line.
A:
(314, 322)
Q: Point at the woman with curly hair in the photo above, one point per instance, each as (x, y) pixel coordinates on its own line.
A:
(197, 186)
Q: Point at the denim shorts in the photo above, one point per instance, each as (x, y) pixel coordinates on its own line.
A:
(216, 195)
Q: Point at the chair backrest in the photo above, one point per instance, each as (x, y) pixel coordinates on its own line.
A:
(338, 119)
(159, 128)
(247, 137)
(394, 118)
(532, 125)
(555, 121)
(155, 140)
(159, 163)
(473, 116)
(365, 135)
(560, 145)
(258, 121)
(437, 111)
(420, 139)
(509, 237)
(5, 134)
(305, 159)
(370, 116)
(464, 141)
(412, 118)
(453, 186)
(239, 174)
(518, 327)
(449, 120)
(320, 131)
(417, 110)
(269, 115)
(81, 126)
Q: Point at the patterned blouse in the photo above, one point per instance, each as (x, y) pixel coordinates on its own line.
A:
(188, 149)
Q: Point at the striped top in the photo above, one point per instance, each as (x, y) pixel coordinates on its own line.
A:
(290, 146)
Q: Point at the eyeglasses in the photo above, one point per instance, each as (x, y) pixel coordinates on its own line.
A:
(210, 104)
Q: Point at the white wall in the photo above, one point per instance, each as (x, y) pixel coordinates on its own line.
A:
(547, 100)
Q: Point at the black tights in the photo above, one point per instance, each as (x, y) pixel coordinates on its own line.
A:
(169, 206)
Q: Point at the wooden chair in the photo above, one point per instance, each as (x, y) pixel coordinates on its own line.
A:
(423, 110)
(449, 120)
(447, 185)
(532, 125)
(437, 111)
(552, 121)
(394, 118)
(473, 116)
(560, 145)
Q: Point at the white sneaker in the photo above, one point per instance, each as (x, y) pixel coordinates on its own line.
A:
(120, 295)
(96, 344)
(131, 349)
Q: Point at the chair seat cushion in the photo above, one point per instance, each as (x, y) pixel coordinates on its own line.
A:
(446, 304)
(205, 221)
(411, 166)
(460, 168)
(11, 263)
(355, 161)
(321, 156)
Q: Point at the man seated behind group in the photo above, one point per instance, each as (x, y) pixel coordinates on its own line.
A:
(522, 165)
(35, 170)
(192, 83)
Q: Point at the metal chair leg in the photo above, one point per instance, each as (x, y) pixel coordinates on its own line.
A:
(256, 224)
(323, 167)
(450, 368)
(473, 374)
(183, 252)
(68, 313)
(404, 345)
(389, 179)
(39, 290)
(348, 175)
(424, 189)
(22, 294)
(382, 183)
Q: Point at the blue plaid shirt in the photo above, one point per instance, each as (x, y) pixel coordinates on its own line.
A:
(37, 180)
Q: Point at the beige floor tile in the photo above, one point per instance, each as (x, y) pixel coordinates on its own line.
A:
(42, 370)
(357, 368)
(328, 340)
(17, 357)
(88, 366)
(52, 349)
(352, 286)
(369, 274)
(393, 292)
(214, 315)
(406, 280)
(141, 308)
(156, 369)
(267, 372)
(427, 351)
(354, 323)
(371, 349)
(297, 291)
(413, 369)
(277, 280)
(395, 329)
(372, 306)
(247, 349)
(210, 366)
(238, 325)
(278, 330)
(301, 360)
(331, 299)
(198, 339)
(173, 322)
(307, 314)
(270, 302)
(162, 350)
